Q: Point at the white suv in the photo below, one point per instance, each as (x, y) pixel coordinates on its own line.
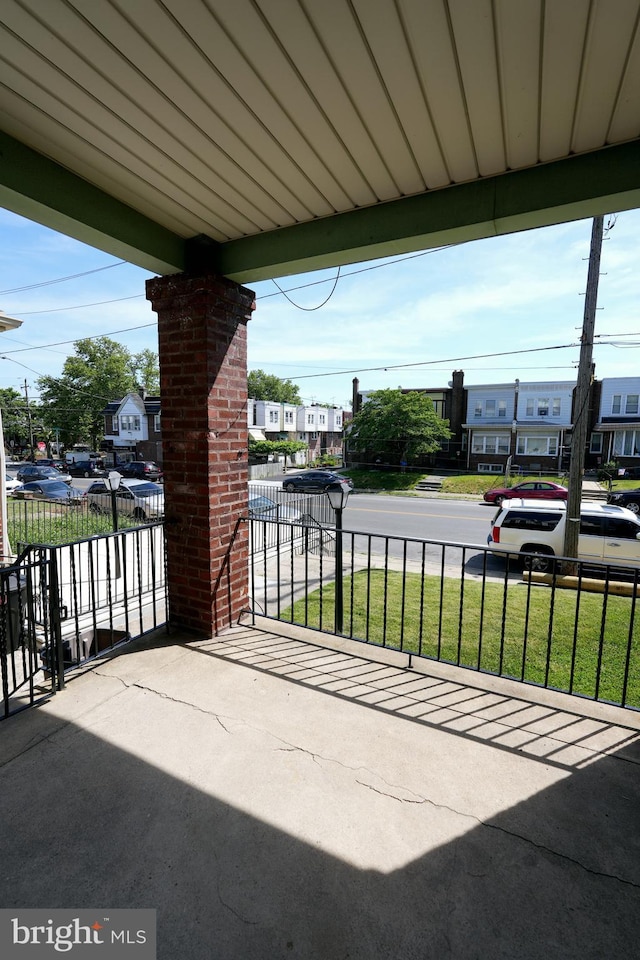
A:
(535, 530)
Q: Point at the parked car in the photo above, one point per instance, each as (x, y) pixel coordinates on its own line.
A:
(264, 508)
(140, 470)
(530, 489)
(11, 484)
(31, 471)
(535, 531)
(85, 468)
(49, 490)
(139, 499)
(314, 481)
(626, 498)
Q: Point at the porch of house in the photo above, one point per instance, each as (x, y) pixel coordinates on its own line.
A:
(276, 792)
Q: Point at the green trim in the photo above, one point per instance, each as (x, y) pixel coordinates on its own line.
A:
(579, 187)
(42, 190)
(576, 188)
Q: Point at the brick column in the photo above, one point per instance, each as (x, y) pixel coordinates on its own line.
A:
(202, 338)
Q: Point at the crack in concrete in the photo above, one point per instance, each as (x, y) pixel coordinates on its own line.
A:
(289, 747)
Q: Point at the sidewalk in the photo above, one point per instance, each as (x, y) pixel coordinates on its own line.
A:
(277, 793)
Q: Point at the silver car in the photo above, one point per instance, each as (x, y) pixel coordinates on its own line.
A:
(139, 499)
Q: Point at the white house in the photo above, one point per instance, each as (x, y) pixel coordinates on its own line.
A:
(528, 422)
(616, 435)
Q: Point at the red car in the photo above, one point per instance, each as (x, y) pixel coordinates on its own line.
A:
(530, 489)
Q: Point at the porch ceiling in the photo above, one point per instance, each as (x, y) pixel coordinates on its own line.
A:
(296, 134)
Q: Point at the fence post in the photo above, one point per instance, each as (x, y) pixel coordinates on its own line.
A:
(54, 619)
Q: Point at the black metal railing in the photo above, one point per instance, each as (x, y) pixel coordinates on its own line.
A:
(60, 522)
(61, 605)
(301, 506)
(462, 605)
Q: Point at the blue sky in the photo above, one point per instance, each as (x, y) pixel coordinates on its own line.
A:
(421, 314)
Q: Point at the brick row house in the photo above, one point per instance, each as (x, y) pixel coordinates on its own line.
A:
(530, 424)
(318, 426)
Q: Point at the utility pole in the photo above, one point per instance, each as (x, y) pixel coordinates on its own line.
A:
(583, 392)
(26, 397)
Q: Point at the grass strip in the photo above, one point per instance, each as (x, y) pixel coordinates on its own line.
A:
(526, 632)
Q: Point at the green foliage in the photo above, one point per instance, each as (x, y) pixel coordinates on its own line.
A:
(396, 425)
(266, 386)
(265, 448)
(99, 371)
(14, 417)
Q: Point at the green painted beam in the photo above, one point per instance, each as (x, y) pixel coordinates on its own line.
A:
(40, 189)
(579, 187)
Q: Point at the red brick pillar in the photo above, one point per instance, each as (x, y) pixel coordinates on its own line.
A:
(202, 336)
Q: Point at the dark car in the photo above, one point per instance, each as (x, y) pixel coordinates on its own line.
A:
(529, 489)
(31, 471)
(626, 498)
(85, 468)
(49, 490)
(314, 481)
(140, 470)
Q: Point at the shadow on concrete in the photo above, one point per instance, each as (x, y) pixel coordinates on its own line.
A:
(168, 792)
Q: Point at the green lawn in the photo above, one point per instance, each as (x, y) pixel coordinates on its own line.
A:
(487, 629)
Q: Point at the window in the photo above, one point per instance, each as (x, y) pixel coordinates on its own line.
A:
(323, 418)
(531, 520)
(114, 424)
(490, 408)
(156, 423)
(130, 422)
(273, 416)
(590, 526)
(490, 443)
(632, 403)
(616, 403)
(288, 416)
(310, 419)
(543, 406)
(626, 443)
(596, 443)
(502, 408)
(338, 420)
(621, 529)
(477, 410)
(537, 446)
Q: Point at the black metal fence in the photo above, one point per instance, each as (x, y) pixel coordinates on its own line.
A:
(461, 605)
(55, 521)
(302, 506)
(60, 606)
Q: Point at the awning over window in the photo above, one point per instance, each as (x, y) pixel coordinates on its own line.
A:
(256, 434)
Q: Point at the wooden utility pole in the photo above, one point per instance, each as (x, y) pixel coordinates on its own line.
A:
(26, 397)
(583, 393)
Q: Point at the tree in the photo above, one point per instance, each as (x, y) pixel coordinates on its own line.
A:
(263, 448)
(146, 371)
(100, 371)
(266, 386)
(14, 418)
(397, 426)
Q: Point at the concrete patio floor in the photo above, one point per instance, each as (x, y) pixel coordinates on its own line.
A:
(277, 793)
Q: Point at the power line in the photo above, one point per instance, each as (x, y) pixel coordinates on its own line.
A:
(72, 276)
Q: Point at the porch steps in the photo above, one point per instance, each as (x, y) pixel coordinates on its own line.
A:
(429, 484)
(592, 491)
